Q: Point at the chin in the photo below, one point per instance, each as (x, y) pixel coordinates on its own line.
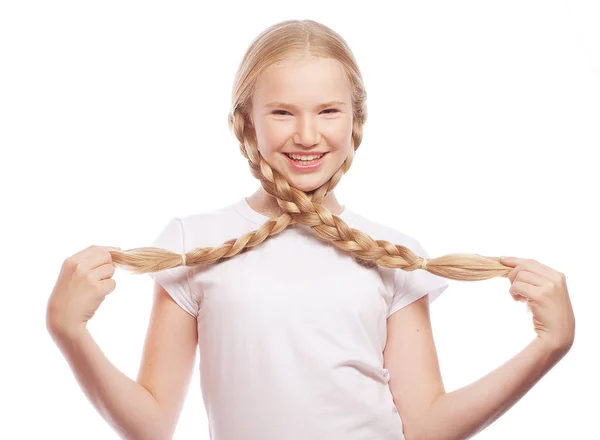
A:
(307, 183)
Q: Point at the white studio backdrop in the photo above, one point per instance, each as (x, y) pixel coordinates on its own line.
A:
(483, 137)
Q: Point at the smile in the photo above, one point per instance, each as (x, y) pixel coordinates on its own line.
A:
(305, 162)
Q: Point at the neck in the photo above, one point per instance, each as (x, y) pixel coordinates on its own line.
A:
(266, 204)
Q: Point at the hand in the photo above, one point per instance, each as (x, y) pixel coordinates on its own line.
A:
(84, 281)
(545, 291)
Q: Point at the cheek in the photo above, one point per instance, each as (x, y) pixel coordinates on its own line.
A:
(271, 136)
(340, 132)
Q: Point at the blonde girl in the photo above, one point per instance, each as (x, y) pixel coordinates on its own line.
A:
(312, 320)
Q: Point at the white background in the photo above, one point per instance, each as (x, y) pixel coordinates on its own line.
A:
(483, 137)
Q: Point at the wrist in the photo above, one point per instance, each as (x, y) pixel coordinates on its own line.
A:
(62, 332)
(553, 349)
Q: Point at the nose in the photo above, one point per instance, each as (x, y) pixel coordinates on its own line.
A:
(307, 132)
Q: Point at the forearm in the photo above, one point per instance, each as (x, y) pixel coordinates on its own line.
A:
(127, 406)
(462, 413)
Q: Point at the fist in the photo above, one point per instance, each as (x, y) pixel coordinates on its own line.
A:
(84, 281)
(545, 291)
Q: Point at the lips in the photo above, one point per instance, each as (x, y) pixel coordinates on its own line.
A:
(305, 165)
(304, 154)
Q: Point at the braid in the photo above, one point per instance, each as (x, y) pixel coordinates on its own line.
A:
(306, 208)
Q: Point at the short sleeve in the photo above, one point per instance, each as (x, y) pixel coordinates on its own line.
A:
(409, 286)
(175, 280)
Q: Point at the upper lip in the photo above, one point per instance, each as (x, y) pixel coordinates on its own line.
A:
(313, 153)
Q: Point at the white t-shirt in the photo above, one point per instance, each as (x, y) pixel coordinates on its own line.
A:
(291, 332)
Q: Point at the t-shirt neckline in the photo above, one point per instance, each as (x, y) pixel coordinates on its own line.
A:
(244, 209)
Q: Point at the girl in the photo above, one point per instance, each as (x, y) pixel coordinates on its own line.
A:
(311, 323)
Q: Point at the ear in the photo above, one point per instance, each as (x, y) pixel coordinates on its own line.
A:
(249, 126)
(247, 112)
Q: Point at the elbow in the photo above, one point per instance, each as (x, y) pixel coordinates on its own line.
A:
(411, 435)
(413, 430)
(152, 431)
(162, 435)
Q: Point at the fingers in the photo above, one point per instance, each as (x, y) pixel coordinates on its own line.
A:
(524, 289)
(530, 265)
(108, 285)
(527, 277)
(91, 257)
(104, 271)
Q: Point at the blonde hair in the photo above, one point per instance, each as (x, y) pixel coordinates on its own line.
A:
(280, 41)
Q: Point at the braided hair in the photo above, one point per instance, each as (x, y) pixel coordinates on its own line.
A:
(276, 43)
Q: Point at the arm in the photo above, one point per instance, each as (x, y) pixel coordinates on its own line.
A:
(427, 411)
(411, 359)
(466, 411)
(147, 409)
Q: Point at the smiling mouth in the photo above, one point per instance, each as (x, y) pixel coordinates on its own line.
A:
(305, 162)
(305, 158)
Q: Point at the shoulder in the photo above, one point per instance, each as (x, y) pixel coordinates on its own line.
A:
(381, 231)
(207, 228)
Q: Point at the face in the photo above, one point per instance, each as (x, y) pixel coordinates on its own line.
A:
(302, 107)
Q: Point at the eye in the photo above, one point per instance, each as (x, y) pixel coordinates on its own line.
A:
(283, 112)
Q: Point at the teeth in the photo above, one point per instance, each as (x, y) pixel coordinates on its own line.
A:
(304, 157)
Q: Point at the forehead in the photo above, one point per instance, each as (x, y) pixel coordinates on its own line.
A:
(302, 80)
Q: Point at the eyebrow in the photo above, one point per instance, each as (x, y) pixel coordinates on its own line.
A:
(283, 104)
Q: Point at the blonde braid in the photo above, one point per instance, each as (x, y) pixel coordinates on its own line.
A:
(300, 207)
(307, 209)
